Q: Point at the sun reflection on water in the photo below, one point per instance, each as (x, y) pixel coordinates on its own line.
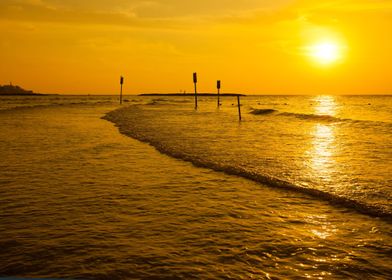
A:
(325, 105)
(322, 154)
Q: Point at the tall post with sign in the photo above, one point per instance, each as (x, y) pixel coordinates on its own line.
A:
(218, 86)
(195, 82)
(121, 86)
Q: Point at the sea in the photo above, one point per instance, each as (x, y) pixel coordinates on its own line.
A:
(299, 188)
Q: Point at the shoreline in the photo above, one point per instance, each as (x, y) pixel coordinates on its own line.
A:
(26, 94)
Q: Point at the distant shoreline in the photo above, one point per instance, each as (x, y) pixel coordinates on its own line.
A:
(24, 94)
(13, 90)
(190, 94)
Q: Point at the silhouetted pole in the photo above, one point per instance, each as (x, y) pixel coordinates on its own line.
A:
(195, 82)
(121, 86)
(239, 107)
(218, 86)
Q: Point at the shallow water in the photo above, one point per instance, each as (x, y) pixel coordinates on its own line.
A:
(326, 146)
(80, 200)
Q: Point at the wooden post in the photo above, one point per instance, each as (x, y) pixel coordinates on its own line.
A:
(218, 86)
(195, 82)
(121, 86)
(239, 107)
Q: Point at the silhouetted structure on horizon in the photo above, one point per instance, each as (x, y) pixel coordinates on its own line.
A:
(14, 90)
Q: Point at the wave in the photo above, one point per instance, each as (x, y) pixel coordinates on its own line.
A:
(262, 111)
(53, 104)
(266, 179)
(163, 101)
(314, 117)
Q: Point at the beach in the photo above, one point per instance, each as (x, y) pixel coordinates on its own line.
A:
(156, 190)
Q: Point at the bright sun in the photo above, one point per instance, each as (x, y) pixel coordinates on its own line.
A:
(325, 52)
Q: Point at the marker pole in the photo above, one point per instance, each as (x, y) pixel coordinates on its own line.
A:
(121, 87)
(218, 86)
(239, 107)
(195, 82)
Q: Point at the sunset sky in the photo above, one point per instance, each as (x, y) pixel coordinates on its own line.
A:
(253, 46)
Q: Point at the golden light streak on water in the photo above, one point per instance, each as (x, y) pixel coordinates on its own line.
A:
(323, 142)
(322, 155)
(325, 105)
(323, 147)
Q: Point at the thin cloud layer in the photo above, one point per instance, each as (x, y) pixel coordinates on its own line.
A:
(136, 13)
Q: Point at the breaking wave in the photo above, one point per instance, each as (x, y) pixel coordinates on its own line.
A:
(243, 171)
(11, 107)
(263, 111)
(314, 117)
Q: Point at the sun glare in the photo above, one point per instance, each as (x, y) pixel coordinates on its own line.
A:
(325, 52)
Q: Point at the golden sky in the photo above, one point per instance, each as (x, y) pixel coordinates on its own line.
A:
(253, 46)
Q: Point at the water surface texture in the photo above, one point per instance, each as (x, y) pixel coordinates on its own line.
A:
(337, 148)
(80, 200)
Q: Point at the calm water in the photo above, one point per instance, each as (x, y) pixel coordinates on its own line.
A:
(305, 189)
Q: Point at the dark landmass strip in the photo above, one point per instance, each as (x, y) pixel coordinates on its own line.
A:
(15, 90)
(190, 94)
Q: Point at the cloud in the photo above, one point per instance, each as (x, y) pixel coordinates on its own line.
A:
(129, 11)
(336, 8)
(174, 13)
(38, 11)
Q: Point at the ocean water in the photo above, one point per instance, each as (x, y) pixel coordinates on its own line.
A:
(300, 188)
(338, 148)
